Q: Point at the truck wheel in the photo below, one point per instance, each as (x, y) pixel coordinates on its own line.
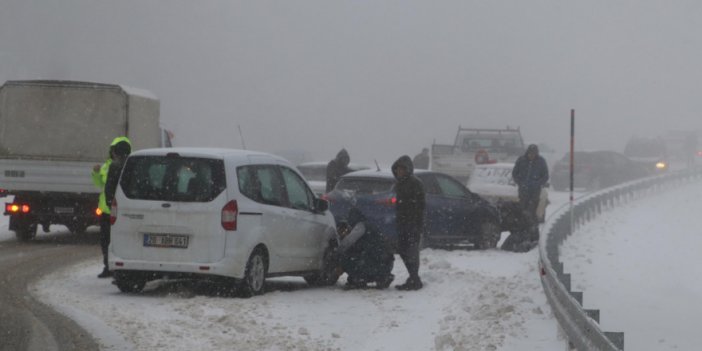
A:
(129, 282)
(254, 281)
(77, 228)
(26, 232)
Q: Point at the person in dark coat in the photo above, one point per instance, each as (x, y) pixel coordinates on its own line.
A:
(421, 161)
(336, 168)
(530, 173)
(409, 219)
(365, 254)
(119, 151)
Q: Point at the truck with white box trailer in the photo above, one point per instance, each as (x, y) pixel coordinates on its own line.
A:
(52, 133)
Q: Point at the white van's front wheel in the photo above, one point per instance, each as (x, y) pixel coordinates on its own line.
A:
(255, 276)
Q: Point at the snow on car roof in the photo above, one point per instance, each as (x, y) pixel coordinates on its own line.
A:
(205, 152)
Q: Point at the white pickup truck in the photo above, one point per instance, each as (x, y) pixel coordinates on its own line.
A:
(476, 146)
(52, 133)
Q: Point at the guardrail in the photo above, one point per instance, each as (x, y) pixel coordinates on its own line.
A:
(580, 325)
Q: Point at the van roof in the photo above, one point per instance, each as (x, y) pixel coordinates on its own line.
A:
(220, 153)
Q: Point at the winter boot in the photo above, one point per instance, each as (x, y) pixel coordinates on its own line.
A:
(411, 284)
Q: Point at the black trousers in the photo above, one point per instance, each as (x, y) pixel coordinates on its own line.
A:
(529, 200)
(408, 243)
(105, 227)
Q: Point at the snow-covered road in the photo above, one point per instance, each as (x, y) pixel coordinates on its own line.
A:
(473, 300)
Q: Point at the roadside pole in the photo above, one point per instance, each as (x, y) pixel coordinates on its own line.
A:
(572, 159)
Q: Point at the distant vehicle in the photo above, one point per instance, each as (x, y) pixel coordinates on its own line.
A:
(454, 215)
(218, 213)
(52, 133)
(595, 170)
(476, 146)
(651, 153)
(495, 184)
(316, 174)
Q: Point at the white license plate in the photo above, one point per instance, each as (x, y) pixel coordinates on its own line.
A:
(166, 240)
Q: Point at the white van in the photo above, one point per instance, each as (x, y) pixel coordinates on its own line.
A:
(217, 212)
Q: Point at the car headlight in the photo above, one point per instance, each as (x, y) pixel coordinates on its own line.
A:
(661, 165)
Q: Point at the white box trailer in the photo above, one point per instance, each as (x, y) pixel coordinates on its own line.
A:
(52, 133)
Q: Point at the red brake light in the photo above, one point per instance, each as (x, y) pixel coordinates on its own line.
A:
(229, 215)
(391, 201)
(25, 208)
(113, 212)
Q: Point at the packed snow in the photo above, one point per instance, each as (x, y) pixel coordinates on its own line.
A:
(471, 301)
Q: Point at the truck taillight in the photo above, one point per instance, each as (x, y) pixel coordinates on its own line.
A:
(14, 208)
(113, 212)
(229, 215)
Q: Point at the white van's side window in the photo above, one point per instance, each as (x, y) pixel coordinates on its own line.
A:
(299, 196)
(262, 184)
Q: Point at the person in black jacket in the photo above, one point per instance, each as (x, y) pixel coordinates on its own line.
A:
(530, 173)
(409, 219)
(365, 254)
(119, 151)
(336, 168)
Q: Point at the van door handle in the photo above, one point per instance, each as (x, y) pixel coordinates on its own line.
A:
(166, 205)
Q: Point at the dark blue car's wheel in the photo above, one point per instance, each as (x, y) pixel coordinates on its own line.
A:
(489, 235)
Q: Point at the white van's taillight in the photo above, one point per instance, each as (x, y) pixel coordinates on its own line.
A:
(229, 214)
(113, 212)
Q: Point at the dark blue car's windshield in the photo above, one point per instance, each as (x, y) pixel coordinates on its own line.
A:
(365, 186)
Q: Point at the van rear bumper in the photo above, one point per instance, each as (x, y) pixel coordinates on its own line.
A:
(227, 267)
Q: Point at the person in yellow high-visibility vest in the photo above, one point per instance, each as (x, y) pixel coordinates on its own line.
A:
(119, 149)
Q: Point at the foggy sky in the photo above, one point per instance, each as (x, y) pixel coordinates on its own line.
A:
(381, 78)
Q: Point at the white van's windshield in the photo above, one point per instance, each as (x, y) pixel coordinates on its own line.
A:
(166, 178)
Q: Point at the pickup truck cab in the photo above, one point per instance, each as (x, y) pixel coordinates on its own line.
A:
(476, 146)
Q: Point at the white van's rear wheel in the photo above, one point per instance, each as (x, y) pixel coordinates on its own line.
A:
(129, 282)
(254, 280)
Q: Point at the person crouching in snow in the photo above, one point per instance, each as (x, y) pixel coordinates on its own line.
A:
(364, 253)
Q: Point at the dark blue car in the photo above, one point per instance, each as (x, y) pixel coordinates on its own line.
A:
(454, 215)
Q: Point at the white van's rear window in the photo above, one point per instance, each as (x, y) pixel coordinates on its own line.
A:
(173, 178)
